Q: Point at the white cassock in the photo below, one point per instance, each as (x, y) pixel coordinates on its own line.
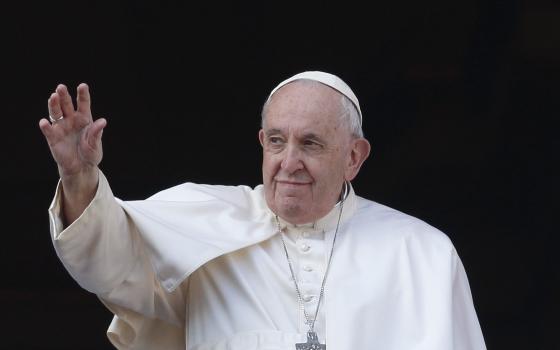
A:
(202, 267)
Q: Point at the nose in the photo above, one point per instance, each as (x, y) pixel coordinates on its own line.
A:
(291, 161)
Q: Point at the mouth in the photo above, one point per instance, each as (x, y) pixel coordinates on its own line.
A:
(291, 183)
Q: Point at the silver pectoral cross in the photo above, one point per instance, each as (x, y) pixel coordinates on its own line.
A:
(312, 343)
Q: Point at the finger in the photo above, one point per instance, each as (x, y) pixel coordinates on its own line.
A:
(46, 129)
(54, 107)
(95, 132)
(65, 101)
(84, 99)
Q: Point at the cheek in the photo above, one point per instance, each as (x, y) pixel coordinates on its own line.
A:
(269, 167)
(330, 173)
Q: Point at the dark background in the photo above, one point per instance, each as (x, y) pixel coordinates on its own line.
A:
(459, 101)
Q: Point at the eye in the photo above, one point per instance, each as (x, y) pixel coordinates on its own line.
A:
(275, 140)
(312, 144)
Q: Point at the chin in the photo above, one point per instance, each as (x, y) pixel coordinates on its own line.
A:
(295, 213)
(291, 208)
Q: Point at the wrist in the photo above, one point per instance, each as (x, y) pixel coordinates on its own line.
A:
(82, 184)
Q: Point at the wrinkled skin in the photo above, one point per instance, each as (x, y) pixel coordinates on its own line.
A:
(75, 144)
(308, 151)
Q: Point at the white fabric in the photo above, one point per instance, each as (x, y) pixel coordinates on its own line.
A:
(325, 78)
(201, 265)
(254, 286)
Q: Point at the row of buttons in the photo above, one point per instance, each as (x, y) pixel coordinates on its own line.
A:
(305, 247)
(307, 268)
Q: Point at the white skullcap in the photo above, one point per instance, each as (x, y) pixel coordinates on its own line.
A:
(327, 79)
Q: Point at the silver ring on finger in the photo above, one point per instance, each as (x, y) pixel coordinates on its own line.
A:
(54, 120)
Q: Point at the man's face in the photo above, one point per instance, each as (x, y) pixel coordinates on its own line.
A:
(306, 151)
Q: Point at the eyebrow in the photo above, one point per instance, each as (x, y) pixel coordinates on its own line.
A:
(307, 136)
(273, 132)
(312, 136)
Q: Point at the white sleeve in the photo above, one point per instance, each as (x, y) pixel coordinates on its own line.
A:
(98, 249)
(103, 252)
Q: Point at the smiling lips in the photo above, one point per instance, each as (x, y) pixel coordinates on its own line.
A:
(292, 183)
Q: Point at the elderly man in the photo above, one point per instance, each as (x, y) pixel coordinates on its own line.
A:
(296, 263)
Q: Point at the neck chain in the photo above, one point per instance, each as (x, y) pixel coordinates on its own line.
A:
(312, 340)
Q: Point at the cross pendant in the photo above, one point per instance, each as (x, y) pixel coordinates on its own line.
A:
(312, 343)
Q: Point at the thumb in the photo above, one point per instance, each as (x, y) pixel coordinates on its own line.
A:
(96, 131)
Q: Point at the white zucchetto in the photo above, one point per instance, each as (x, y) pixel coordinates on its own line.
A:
(325, 78)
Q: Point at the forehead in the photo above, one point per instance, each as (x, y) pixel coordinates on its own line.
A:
(304, 104)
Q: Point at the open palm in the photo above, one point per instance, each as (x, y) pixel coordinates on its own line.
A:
(74, 140)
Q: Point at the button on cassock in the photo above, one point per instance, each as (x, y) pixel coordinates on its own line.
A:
(308, 268)
(307, 298)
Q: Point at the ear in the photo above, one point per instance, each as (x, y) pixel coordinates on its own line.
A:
(359, 151)
(261, 137)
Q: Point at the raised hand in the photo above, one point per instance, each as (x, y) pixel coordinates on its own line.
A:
(74, 139)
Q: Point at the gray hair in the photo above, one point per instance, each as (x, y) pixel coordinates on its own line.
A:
(349, 114)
